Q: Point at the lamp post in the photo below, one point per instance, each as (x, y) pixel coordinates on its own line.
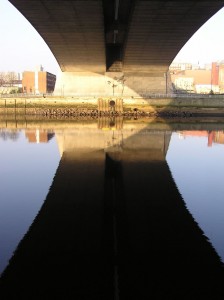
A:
(121, 80)
(113, 85)
(211, 92)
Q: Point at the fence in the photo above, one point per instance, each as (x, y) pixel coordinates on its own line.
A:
(142, 95)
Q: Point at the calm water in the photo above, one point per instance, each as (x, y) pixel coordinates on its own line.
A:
(112, 197)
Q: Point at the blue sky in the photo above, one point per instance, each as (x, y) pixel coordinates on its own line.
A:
(22, 48)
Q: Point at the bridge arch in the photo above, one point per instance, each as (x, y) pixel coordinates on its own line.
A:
(98, 40)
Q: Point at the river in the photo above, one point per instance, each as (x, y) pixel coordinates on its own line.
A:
(111, 209)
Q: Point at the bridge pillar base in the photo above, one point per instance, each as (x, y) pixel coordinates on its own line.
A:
(111, 84)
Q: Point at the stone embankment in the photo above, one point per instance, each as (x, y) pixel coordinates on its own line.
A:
(113, 106)
(96, 113)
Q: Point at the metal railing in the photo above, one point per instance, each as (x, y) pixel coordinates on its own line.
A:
(22, 95)
(116, 95)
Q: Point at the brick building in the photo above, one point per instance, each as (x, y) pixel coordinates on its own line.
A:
(38, 82)
(201, 81)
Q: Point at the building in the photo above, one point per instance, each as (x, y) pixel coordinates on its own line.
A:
(203, 81)
(178, 66)
(207, 80)
(184, 84)
(38, 81)
(199, 81)
(221, 77)
(215, 74)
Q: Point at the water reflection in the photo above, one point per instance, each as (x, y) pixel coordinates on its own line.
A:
(26, 173)
(114, 224)
(39, 136)
(196, 161)
(12, 134)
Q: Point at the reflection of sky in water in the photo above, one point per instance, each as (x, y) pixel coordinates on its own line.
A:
(27, 171)
(198, 171)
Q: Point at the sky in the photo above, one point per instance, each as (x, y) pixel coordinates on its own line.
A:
(21, 46)
(23, 49)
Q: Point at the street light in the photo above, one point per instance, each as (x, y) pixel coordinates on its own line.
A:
(113, 85)
(211, 92)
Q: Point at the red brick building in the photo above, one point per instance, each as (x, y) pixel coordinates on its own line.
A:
(38, 82)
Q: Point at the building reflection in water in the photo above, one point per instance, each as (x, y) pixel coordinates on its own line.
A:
(113, 225)
(39, 136)
(216, 137)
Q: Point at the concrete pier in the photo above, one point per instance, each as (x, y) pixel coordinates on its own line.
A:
(113, 83)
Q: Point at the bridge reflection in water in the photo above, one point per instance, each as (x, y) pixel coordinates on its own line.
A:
(113, 226)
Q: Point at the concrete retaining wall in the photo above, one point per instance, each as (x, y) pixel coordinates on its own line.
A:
(35, 105)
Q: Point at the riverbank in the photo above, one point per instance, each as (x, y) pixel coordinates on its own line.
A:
(114, 106)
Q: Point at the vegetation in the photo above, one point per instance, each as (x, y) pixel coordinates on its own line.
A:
(8, 79)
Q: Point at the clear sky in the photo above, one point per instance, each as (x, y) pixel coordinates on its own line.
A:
(207, 44)
(22, 48)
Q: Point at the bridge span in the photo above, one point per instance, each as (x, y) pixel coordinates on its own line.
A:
(97, 41)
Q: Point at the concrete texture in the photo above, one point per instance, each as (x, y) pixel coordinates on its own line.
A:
(92, 84)
(138, 38)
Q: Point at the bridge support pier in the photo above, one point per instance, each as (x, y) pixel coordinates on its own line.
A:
(111, 84)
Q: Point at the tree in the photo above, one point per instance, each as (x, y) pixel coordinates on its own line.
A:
(8, 78)
(11, 78)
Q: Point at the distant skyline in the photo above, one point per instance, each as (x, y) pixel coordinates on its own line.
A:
(22, 48)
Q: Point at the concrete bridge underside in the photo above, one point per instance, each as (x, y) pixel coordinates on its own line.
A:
(95, 41)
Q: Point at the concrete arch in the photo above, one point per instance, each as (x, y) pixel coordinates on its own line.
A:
(94, 40)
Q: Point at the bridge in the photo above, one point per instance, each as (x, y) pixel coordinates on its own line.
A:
(113, 226)
(100, 44)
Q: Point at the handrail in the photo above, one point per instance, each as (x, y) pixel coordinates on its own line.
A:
(140, 96)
